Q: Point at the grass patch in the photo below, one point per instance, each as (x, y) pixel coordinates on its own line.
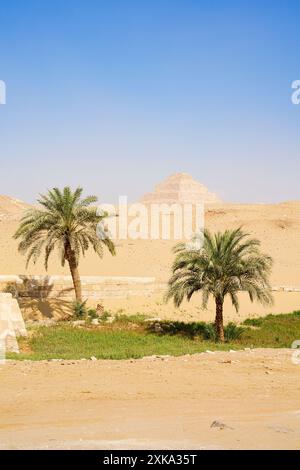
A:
(67, 342)
(273, 331)
(133, 337)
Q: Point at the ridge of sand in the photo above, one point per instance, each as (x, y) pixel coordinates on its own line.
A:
(12, 208)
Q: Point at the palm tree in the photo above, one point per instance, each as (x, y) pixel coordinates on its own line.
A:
(226, 264)
(66, 222)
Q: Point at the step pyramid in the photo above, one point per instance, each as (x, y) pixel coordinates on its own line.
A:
(180, 188)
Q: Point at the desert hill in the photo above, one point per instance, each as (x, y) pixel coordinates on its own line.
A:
(11, 208)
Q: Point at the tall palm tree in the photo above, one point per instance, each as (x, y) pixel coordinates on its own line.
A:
(226, 264)
(66, 222)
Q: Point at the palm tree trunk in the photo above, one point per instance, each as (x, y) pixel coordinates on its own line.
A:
(219, 320)
(70, 255)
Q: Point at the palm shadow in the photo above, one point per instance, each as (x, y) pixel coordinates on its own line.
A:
(35, 299)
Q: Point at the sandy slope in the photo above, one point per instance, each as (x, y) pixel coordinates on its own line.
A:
(153, 403)
(277, 226)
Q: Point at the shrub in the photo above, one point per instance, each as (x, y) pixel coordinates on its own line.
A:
(105, 315)
(92, 314)
(79, 310)
(232, 332)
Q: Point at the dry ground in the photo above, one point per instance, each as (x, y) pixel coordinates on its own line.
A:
(153, 403)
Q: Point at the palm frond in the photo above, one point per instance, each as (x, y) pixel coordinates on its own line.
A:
(65, 219)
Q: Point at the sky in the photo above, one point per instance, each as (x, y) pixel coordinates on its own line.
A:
(116, 95)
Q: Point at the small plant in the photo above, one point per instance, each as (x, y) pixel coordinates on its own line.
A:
(79, 310)
(232, 332)
(105, 315)
(92, 314)
(210, 332)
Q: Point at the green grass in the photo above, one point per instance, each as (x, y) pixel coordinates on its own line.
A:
(131, 337)
(273, 331)
(67, 342)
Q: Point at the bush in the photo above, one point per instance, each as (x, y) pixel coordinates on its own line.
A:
(232, 332)
(79, 310)
(92, 314)
(210, 332)
(177, 327)
(105, 315)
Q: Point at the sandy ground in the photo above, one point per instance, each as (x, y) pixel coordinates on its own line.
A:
(153, 403)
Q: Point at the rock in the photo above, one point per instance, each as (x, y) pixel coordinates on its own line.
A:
(209, 352)
(93, 358)
(157, 328)
(11, 324)
(219, 425)
(281, 429)
(100, 309)
(95, 321)
(78, 322)
(149, 358)
(232, 351)
(163, 357)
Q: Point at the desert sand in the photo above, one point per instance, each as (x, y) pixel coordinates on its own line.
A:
(153, 403)
(276, 225)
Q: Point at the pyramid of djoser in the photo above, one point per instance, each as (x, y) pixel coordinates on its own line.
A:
(180, 188)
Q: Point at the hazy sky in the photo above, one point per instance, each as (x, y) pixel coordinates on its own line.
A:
(116, 95)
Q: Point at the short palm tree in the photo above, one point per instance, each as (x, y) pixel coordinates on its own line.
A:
(66, 222)
(227, 263)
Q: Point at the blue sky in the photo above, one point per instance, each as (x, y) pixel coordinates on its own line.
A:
(117, 95)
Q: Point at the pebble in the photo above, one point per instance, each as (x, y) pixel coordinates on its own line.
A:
(219, 425)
